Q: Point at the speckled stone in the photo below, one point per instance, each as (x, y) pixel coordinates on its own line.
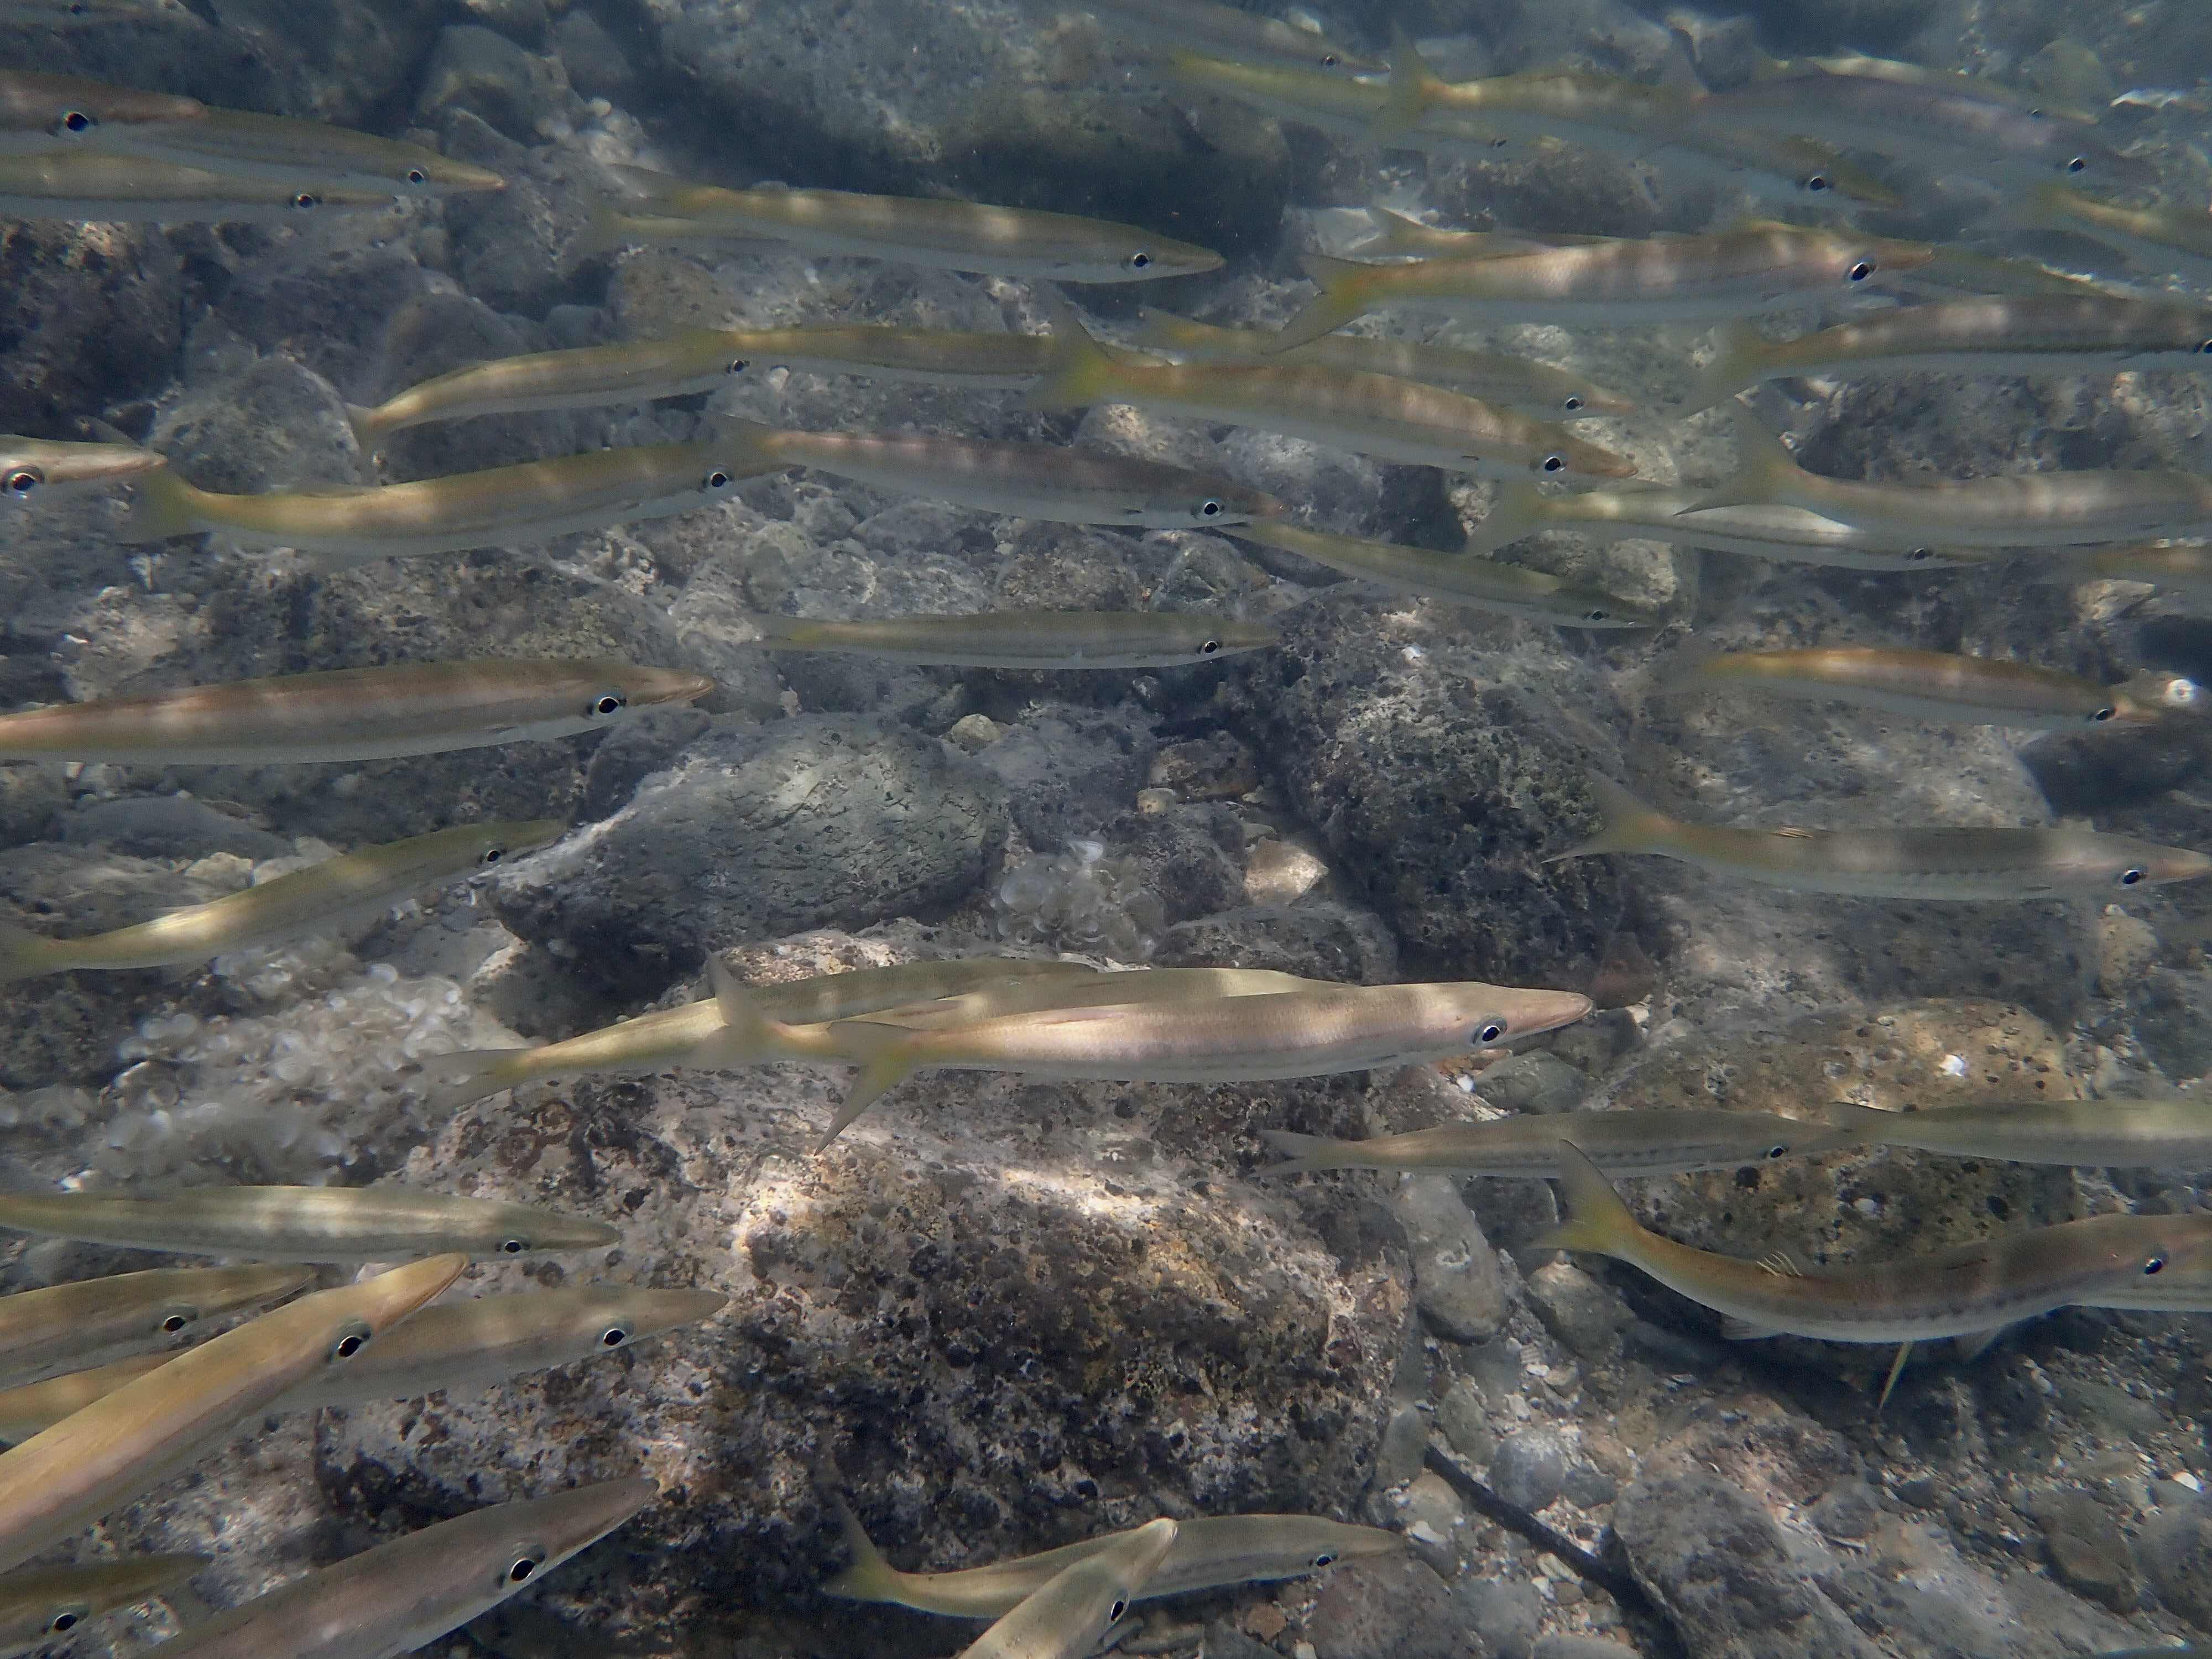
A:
(107, 300)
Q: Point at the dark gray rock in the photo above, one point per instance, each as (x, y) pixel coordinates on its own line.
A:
(1456, 1282)
(1465, 1419)
(166, 827)
(276, 425)
(1393, 1605)
(753, 832)
(2089, 1552)
(1504, 1614)
(320, 295)
(510, 250)
(1319, 940)
(1069, 772)
(1192, 856)
(518, 93)
(1587, 1315)
(94, 316)
(1439, 788)
(1580, 1647)
(1529, 1467)
(435, 334)
(2175, 1552)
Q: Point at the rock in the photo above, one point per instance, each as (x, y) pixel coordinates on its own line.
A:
(1382, 1605)
(2175, 1550)
(516, 92)
(1848, 1512)
(1868, 25)
(1580, 1647)
(1192, 856)
(1588, 1487)
(322, 294)
(1505, 1614)
(1430, 1515)
(2087, 1552)
(973, 734)
(1457, 1285)
(1405, 1440)
(1537, 1082)
(166, 827)
(1437, 788)
(1316, 940)
(510, 249)
(1464, 1417)
(1529, 1467)
(1587, 1317)
(886, 1308)
(276, 426)
(720, 847)
(1216, 768)
(435, 334)
(96, 316)
(1068, 772)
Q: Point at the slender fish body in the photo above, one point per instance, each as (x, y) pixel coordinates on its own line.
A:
(500, 507)
(1791, 533)
(49, 1602)
(2075, 335)
(699, 360)
(2148, 1135)
(401, 1596)
(311, 155)
(314, 900)
(1308, 1033)
(1021, 996)
(1482, 584)
(1599, 111)
(1026, 638)
(349, 713)
(1610, 284)
(39, 469)
(1067, 1615)
(1398, 420)
(303, 1224)
(457, 1345)
(1619, 1143)
(98, 1459)
(1026, 480)
(2184, 569)
(104, 188)
(1230, 33)
(1933, 685)
(40, 111)
(2164, 242)
(2043, 509)
(1996, 865)
(47, 1327)
(911, 230)
(1308, 98)
(1208, 1553)
(1959, 1292)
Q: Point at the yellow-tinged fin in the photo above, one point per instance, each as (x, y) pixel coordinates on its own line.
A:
(871, 1577)
(1739, 354)
(27, 955)
(1896, 1371)
(882, 1071)
(162, 508)
(367, 426)
(1414, 86)
(1743, 1330)
(1343, 296)
(1165, 329)
(1765, 471)
(1628, 825)
(1397, 232)
(1516, 514)
(466, 1075)
(1596, 1220)
(1078, 371)
(1305, 1152)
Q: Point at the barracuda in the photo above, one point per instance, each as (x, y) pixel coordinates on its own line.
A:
(1624, 1143)
(2160, 241)
(39, 112)
(1232, 34)
(48, 1326)
(312, 155)
(1026, 638)
(1067, 1615)
(2147, 1134)
(37, 469)
(1933, 685)
(105, 188)
(47, 1602)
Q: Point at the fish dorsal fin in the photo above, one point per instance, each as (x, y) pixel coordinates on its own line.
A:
(1782, 1264)
(1795, 832)
(1744, 1330)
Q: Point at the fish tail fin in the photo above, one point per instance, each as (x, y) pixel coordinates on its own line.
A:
(468, 1074)
(880, 1073)
(871, 1577)
(1740, 357)
(1078, 371)
(1517, 513)
(1765, 471)
(26, 955)
(1627, 825)
(1596, 1220)
(1414, 86)
(1343, 296)
(367, 426)
(1304, 1152)
(162, 508)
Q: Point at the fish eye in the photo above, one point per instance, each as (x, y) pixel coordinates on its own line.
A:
(175, 1322)
(2155, 1265)
(1778, 1151)
(1208, 647)
(1862, 271)
(1140, 260)
(1114, 1614)
(23, 480)
(492, 855)
(416, 176)
(355, 1338)
(1489, 1033)
(604, 707)
(66, 1620)
(2077, 164)
(2130, 878)
(717, 479)
(1595, 616)
(613, 1337)
(306, 198)
(1572, 403)
(1921, 555)
(512, 1246)
(76, 120)
(524, 1566)
(739, 365)
(1555, 463)
(1324, 1559)
(1329, 60)
(1817, 184)
(2102, 715)
(1209, 509)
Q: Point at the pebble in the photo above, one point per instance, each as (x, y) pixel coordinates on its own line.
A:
(1456, 1282)
(1586, 1315)
(1465, 1419)
(1529, 1468)
(1504, 1614)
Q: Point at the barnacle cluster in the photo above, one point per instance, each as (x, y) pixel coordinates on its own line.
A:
(1080, 900)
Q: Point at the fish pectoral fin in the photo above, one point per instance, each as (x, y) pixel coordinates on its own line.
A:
(1974, 1344)
(1793, 832)
(1744, 1330)
(1782, 1264)
(1896, 1371)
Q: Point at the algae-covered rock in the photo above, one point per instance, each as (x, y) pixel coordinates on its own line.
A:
(274, 426)
(94, 316)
